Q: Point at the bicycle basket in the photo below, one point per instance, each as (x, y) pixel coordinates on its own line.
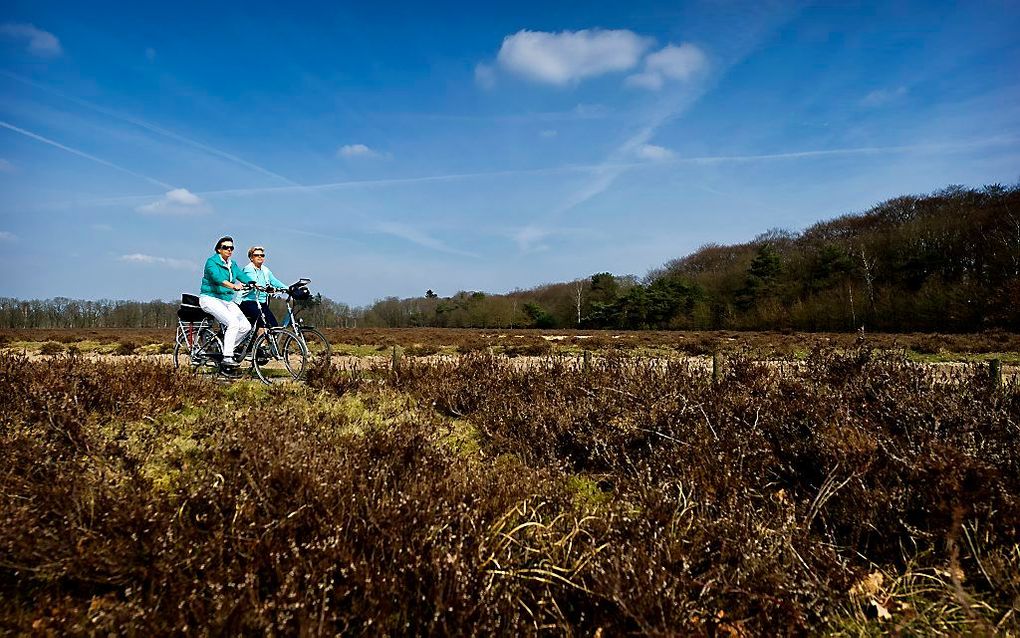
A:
(299, 293)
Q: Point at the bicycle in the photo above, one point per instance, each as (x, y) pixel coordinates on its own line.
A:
(314, 342)
(275, 354)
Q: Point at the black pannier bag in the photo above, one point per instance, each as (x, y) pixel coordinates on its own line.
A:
(190, 311)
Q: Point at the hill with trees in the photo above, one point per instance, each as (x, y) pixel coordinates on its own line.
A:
(948, 261)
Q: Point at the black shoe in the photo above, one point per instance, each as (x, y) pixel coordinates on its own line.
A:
(230, 368)
(263, 356)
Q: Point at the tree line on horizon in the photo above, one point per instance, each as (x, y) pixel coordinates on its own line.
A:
(947, 261)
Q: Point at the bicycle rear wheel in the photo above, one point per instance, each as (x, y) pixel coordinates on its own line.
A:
(203, 356)
(278, 357)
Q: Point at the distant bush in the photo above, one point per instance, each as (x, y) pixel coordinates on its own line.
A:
(468, 347)
(52, 348)
(125, 348)
(926, 344)
(421, 350)
(700, 345)
(529, 349)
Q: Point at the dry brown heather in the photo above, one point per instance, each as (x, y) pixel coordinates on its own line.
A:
(539, 342)
(855, 495)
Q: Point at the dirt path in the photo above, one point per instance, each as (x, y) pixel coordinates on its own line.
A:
(1010, 373)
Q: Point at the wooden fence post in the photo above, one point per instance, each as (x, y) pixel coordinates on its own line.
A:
(396, 360)
(586, 361)
(716, 367)
(995, 373)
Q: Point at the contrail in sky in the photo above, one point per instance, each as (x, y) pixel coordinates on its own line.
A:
(668, 109)
(74, 151)
(152, 127)
(597, 169)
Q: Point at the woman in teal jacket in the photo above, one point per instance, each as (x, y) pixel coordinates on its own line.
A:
(255, 303)
(220, 280)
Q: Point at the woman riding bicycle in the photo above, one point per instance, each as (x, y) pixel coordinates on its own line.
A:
(221, 278)
(255, 303)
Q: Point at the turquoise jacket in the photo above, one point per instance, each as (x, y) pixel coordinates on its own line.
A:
(216, 272)
(263, 277)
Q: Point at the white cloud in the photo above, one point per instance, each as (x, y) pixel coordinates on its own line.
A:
(549, 133)
(177, 264)
(184, 197)
(571, 56)
(881, 97)
(653, 152)
(7, 236)
(356, 150)
(485, 75)
(646, 80)
(6, 166)
(669, 63)
(178, 201)
(41, 43)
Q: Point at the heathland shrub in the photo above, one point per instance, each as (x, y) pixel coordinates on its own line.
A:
(125, 348)
(535, 348)
(51, 348)
(421, 349)
(621, 497)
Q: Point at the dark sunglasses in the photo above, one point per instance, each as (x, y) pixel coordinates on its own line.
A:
(258, 255)
(226, 247)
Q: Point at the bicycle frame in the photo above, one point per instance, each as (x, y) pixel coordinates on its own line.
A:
(290, 320)
(249, 339)
(188, 330)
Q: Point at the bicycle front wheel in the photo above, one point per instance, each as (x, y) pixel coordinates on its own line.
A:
(316, 344)
(277, 356)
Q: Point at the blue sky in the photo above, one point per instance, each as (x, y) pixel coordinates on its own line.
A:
(384, 150)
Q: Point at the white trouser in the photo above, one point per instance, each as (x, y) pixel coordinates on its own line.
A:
(229, 314)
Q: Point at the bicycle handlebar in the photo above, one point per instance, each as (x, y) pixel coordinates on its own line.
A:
(268, 289)
(272, 290)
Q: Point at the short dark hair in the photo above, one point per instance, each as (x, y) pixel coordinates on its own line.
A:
(219, 242)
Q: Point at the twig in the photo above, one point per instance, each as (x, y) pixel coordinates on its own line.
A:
(665, 436)
(708, 422)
